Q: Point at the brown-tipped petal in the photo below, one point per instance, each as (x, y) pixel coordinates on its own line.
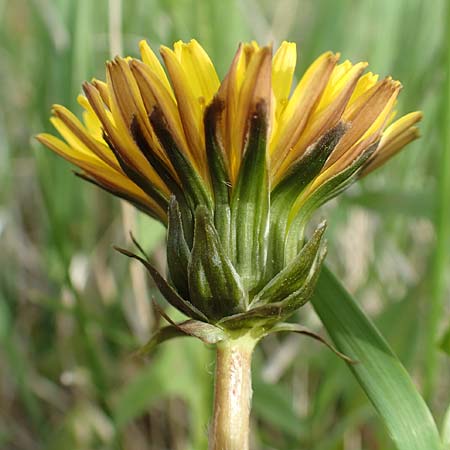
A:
(378, 99)
(126, 100)
(247, 83)
(324, 119)
(228, 94)
(102, 88)
(256, 88)
(107, 177)
(122, 140)
(154, 93)
(190, 108)
(294, 117)
(390, 149)
(151, 61)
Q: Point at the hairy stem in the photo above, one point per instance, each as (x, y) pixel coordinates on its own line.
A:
(232, 395)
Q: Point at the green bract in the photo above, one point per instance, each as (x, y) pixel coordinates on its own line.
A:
(237, 263)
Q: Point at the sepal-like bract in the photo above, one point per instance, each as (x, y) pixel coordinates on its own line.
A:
(214, 285)
(290, 187)
(178, 253)
(250, 204)
(219, 173)
(207, 333)
(273, 306)
(293, 277)
(329, 189)
(168, 292)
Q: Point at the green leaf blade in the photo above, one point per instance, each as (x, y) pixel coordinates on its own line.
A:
(379, 372)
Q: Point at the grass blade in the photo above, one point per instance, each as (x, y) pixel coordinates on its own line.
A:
(379, 372)
(442, 223)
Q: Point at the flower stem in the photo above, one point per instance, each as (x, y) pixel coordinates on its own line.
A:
(232, 395)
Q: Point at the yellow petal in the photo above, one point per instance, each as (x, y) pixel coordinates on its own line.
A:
(154, 93)
(241, 92)
(399, 126)
(391, 150)
(366, 82)
(323, 119)
(151, 60)
(121, 138)
(370, 106)
(90, 120)
(394, 138)
(196, 62)
(283, 67)
(78, 137)
(294, 117)
(190, 106)
(101, 172)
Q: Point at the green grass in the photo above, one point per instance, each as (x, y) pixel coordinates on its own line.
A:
(72, 310)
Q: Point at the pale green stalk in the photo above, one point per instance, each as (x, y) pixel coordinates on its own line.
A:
(230, 428)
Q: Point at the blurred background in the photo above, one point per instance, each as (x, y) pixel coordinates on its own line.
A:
(72, 311)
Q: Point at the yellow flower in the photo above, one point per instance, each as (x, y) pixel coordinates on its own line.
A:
(118, 148)
(233, 168)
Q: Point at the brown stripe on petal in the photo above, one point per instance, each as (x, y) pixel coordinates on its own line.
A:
(102, 88)
(241, 100)
(303, 101)
(146, 185)
(122, 140)
(323, 120)
(255, 91)
(351, 155)
(365, 116)
(165, 169)
(154, 93)
(229, 94)
(128, 98)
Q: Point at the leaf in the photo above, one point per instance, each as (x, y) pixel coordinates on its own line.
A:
(446, 430)
(379, 372)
